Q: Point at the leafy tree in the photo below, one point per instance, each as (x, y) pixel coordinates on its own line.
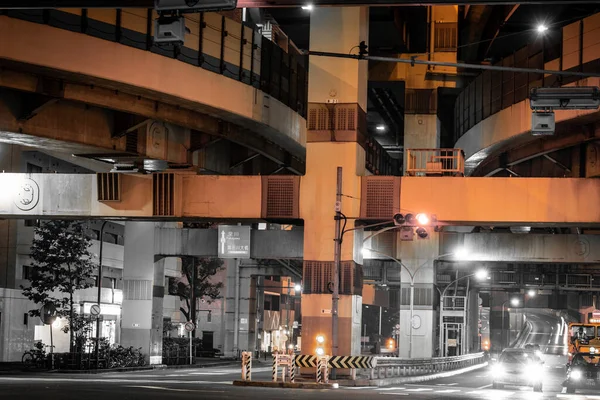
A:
(197, 284)
(62, 264)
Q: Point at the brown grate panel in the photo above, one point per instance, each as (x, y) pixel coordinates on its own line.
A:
(318, 277)
(281, 196)
(131, 142)
(380, 198)
(109, 186)
(163, 194)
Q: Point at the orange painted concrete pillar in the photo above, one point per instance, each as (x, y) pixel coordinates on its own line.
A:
(337, 104)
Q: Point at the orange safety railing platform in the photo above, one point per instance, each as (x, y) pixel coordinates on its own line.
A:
(435, 162)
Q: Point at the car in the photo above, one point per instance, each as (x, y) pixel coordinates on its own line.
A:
(583, 372)
(535, 347)
(517, 367)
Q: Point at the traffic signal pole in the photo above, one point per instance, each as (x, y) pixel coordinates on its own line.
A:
(337, 254)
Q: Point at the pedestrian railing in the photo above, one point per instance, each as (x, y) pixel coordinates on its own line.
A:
(386, 367)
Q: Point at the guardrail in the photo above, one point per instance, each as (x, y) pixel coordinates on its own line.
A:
(387, 367)
(435, 162)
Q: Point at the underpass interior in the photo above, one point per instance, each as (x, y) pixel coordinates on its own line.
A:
(239, 135)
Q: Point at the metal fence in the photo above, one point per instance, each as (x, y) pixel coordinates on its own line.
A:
(387, 367)
(435, 162)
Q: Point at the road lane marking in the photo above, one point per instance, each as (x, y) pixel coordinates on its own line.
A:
(484, 387)
(396, 394)
(388, 389)
(447, 391)
(419, 390)
(160, 388)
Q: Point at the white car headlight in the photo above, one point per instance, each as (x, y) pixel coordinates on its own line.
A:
(497, 370)
(576, 375)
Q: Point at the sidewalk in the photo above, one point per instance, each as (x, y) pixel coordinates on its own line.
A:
(10, 368)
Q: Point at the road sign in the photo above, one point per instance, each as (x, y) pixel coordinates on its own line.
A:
(284, 338)
(48, 313)
(95, 310)
(234, 241)
(189, 326)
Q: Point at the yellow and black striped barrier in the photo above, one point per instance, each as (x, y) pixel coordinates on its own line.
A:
(350, 362)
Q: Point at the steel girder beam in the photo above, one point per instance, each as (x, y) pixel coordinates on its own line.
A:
(141, 104)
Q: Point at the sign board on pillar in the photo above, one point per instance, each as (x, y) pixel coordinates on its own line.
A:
(595, 317)
(234, 241)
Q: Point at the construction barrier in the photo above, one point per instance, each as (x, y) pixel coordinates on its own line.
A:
(246, 366)
(285, 362)
(322, 369)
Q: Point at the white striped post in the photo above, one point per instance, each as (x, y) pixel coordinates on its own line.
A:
(293, 369)
(274, 367)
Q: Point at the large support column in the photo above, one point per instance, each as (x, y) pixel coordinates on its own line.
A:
(345, 81)
(418, 256)
(237, 307)
(143, 292)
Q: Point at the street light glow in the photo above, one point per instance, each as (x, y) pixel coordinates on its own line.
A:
(308, 7)
(297, 288)
(481, 274)
(531, 293)
(365, 252)
(320, 339)
(542, 28)
(380, 128)
(461, 253)
(514, 301)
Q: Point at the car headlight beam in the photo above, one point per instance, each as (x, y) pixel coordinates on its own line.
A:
(576, 375)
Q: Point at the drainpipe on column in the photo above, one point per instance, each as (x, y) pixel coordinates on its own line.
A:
(236, 304)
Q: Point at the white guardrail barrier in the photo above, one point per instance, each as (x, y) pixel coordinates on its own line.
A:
(386, 367)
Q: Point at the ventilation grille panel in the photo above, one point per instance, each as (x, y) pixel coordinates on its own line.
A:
(109, 186)
(318, 277)
(281, 196)
(135, 289)
(380, 196)
(164, 194)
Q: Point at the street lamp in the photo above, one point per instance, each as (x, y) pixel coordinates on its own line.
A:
(479, 275)
(515, 303)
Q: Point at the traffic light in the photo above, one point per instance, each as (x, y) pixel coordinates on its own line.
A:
(410, 221)
(363, 49)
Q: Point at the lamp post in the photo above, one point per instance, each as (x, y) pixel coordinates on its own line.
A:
(99, 293)
(412, 275)
(481, 274)
(514, 302)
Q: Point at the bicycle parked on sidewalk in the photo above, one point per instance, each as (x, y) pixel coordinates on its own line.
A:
(36, 357)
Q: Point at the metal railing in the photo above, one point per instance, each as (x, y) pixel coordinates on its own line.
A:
(387, 367)
(435, 162)
(454, 303)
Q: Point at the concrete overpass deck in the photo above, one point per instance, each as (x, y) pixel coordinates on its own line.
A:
(176, 196)
(90, 89)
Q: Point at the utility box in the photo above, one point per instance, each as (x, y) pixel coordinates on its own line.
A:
(542, 124)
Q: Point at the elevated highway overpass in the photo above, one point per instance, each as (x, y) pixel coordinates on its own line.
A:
(127, 100)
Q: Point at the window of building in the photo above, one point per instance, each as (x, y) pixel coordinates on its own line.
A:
(25, 318)
(32, 222)
(172, 285)
(27, 271)
(445, 36)
(110, 238)
(34, 169)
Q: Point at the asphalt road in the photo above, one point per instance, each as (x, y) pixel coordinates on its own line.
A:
(216, 383)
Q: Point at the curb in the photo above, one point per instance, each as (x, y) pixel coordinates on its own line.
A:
(423, 378)
(132, 369)
(285, 385)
